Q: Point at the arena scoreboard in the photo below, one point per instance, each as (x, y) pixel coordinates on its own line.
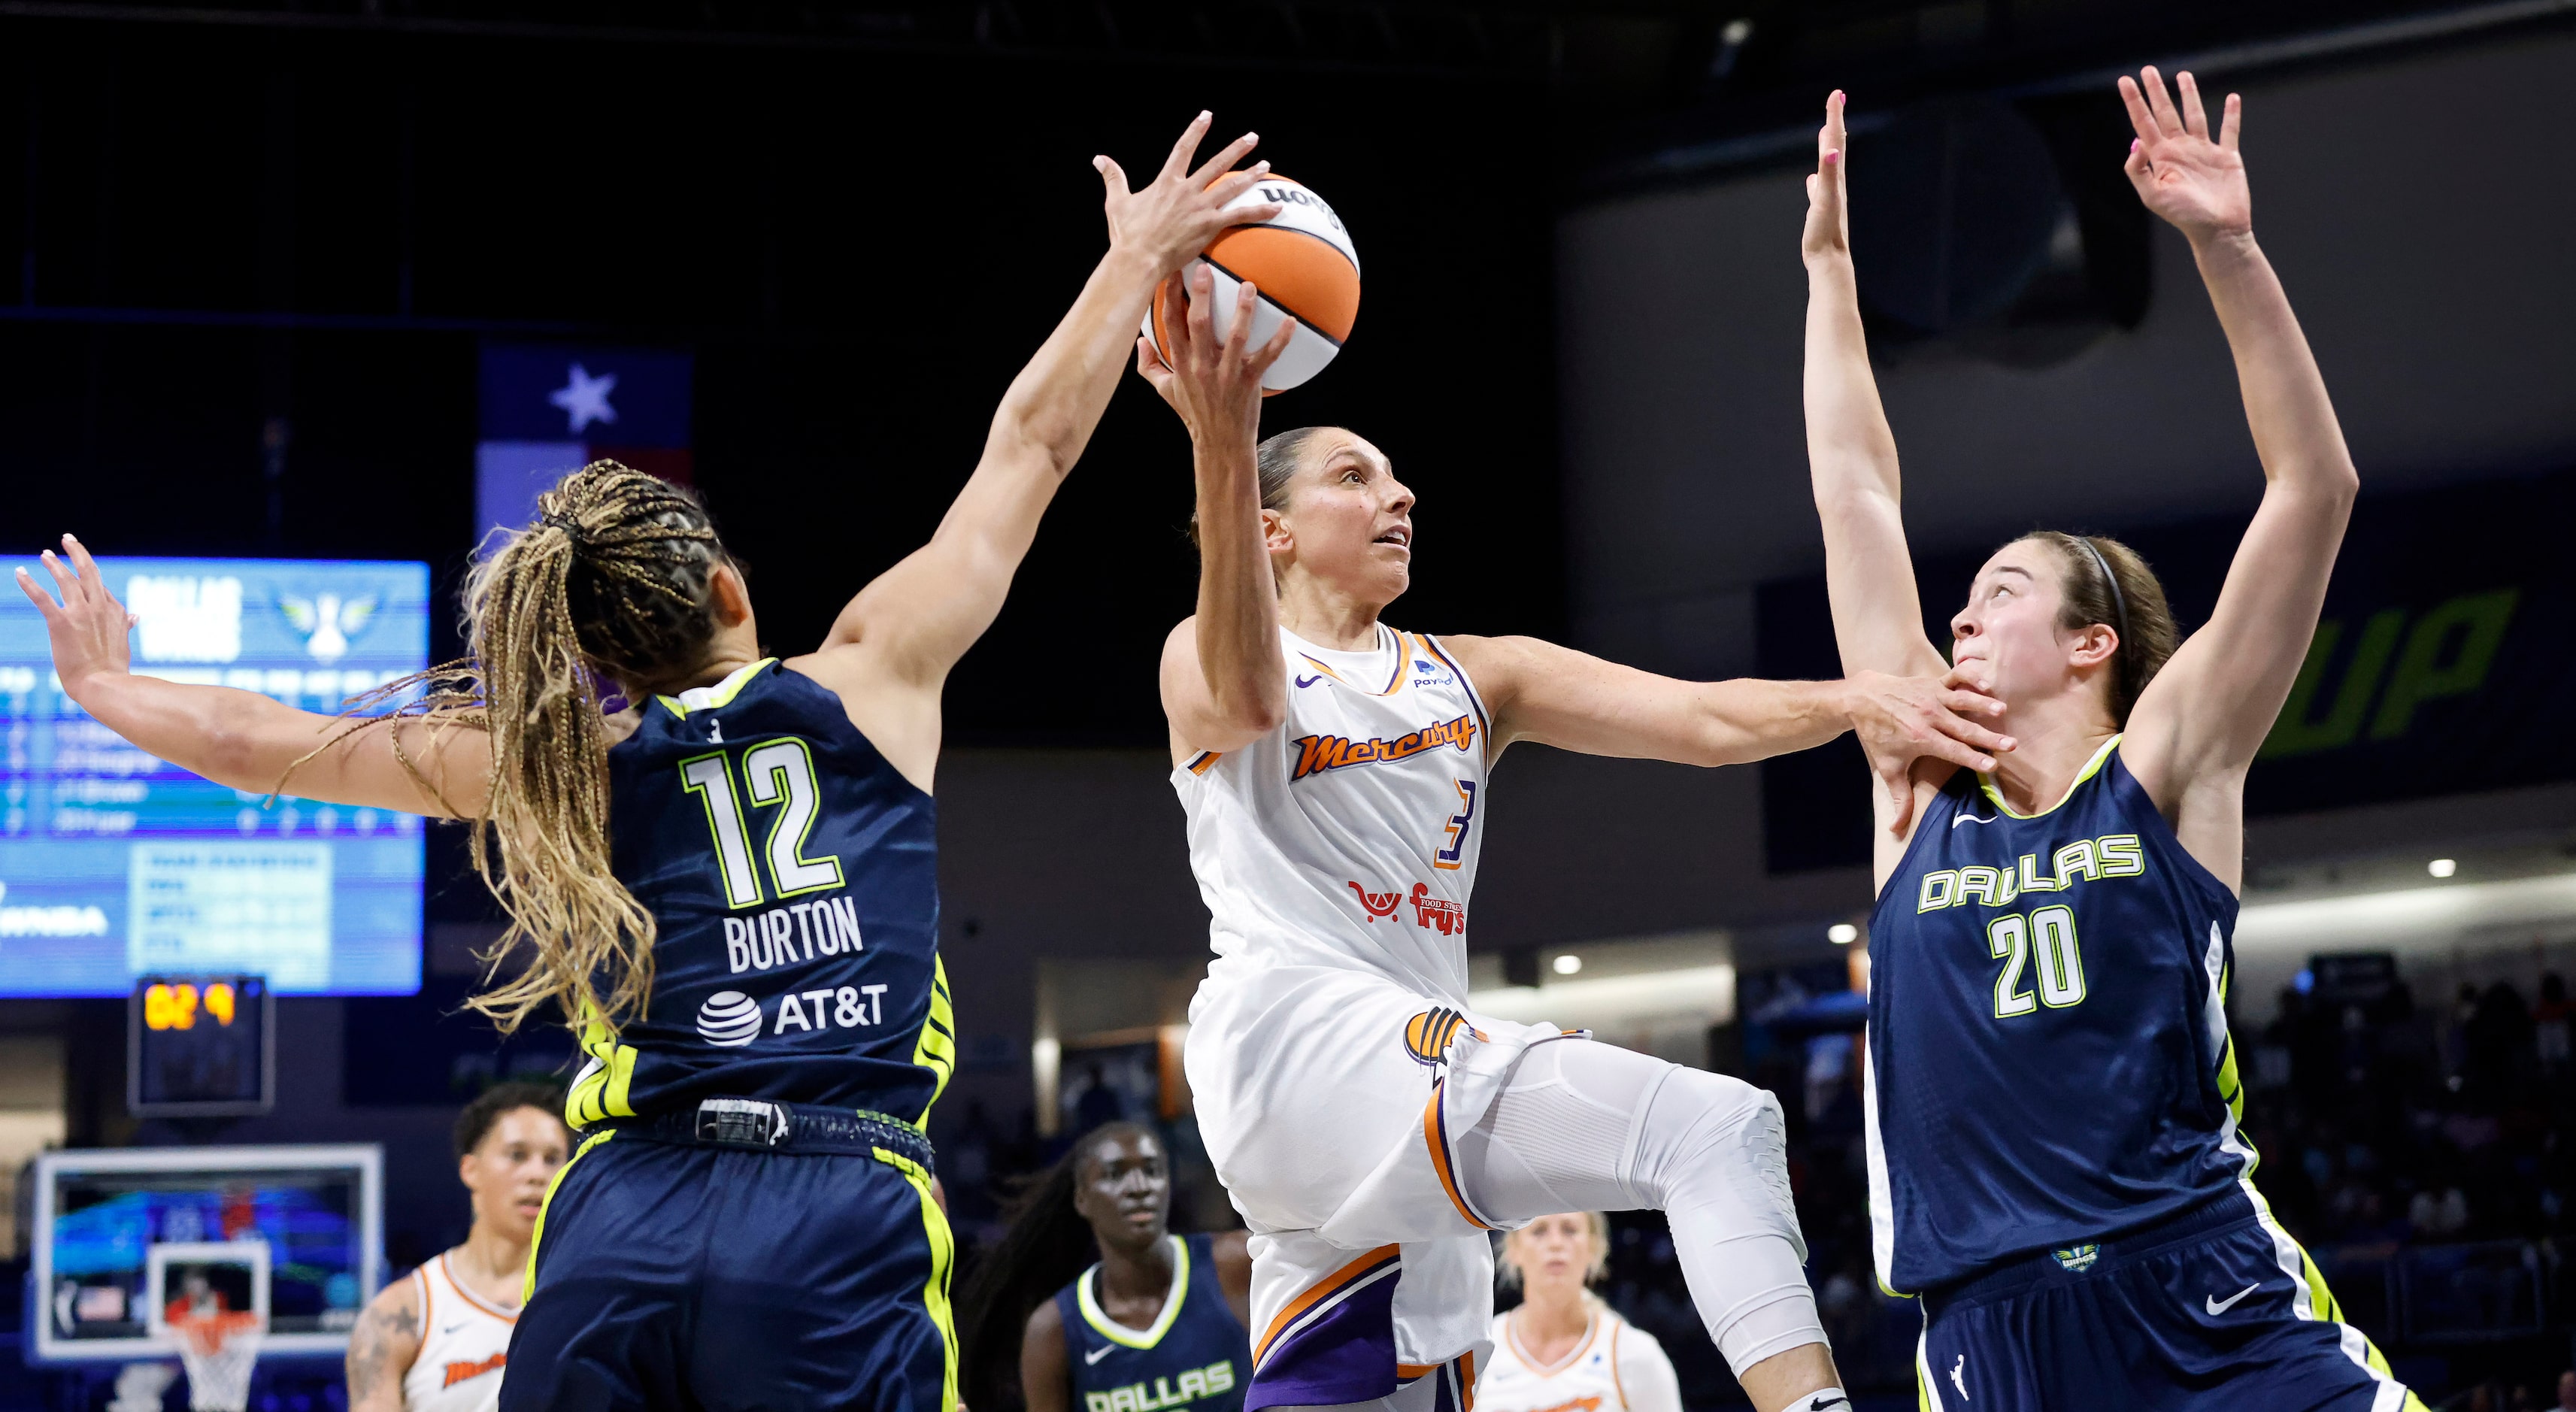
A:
(201, 1047)
(115, 865)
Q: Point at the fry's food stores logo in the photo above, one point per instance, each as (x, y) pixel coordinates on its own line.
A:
(1450, 918)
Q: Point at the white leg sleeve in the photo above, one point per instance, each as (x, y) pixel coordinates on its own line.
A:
(1581, 1126)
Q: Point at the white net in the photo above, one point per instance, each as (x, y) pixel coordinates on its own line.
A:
(219, 1351)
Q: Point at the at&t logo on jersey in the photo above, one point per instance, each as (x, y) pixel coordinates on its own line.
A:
(729, 1019)
(1179, 1391)
(1318, 753)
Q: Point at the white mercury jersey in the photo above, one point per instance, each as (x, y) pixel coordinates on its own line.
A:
(1615, 1367)
(464, 1343)
(1348, 836)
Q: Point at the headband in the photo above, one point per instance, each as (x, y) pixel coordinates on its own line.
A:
(2119, 604)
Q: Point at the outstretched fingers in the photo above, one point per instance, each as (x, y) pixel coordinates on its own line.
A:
(2141, 121)
(44, 601)
(2228, 121)
(1178, 163)
(1113, 179)
(1223, 162)
(1234, 184)
(1270, 352)
(2160, 103)
(2195, 119)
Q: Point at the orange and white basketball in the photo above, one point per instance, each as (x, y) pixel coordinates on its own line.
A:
(1301, 264)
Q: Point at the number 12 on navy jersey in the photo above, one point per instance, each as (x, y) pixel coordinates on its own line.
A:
(780, 774)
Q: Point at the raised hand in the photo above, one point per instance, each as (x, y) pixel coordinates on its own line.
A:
(1215, 384)
(1828, 233)
(89, 628)
(2192, 181)
(1176, 215)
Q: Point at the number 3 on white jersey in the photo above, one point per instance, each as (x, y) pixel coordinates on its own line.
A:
(778, 771)
(1457, 827)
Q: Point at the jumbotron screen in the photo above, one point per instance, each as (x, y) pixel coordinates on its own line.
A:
(115, 864)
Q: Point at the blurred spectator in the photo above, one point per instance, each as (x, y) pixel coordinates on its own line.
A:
(2437, 1217)
(2549, 1025)
(2567, 1391)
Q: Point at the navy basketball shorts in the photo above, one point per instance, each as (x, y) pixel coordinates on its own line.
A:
(673, 1276)
(2215, 1309)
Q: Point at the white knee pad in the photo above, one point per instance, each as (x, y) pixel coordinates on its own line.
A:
(1714, 1150)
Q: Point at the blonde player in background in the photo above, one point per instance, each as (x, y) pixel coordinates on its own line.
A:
(437, 1341)
(1563, 1350)
(1333, 770)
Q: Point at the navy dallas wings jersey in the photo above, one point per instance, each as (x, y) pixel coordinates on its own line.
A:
(1196, 1356)
(793, 874)
(2049, 1062)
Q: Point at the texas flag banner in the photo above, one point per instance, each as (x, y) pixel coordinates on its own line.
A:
(548, 408)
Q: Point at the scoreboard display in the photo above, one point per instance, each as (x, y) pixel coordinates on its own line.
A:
(115, 865)
(201, 1047)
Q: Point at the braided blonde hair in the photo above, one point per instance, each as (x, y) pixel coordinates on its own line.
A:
(607, 591)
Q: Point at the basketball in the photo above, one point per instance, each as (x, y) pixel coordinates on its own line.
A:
(1302, 266)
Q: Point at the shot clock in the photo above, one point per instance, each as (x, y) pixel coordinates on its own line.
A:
(201, 1046)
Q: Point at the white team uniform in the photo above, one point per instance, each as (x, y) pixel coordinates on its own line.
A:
(1616, 1367)
(464, 1342)
(1329, 1053)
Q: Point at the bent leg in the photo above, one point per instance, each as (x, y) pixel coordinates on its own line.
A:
(1584, 1126)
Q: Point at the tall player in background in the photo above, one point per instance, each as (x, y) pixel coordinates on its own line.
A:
(1094, 1303)
(439, 1341)
(748, 1221)
(1334, 771)
(1562, 1349)
(2052, 1094)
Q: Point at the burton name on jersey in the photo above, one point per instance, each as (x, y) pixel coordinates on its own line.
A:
(793, 873)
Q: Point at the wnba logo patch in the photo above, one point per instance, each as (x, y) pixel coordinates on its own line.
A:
(729, 1019)
(1427, 1035)
(2078, 1258)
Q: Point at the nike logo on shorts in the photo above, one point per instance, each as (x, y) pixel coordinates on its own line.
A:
(2216, 1305)
(1097, 1354)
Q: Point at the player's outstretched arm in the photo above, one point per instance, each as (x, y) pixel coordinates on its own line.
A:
(1851, 453)
(240, 738)
(2201, 720)
(1851, 459)
(1222, 686)
(1558, 696)
(382, 1348)
(920, 616)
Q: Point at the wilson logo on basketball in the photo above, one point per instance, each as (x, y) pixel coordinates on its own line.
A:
(1318, 753)
(459, 1372)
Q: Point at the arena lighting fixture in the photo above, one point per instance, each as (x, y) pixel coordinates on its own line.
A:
(1842, 933)
(1568, 964)
(2442, 867)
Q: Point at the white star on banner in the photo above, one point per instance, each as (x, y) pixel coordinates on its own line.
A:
(585, 398)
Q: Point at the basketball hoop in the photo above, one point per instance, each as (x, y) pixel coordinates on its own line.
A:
(218, 1349)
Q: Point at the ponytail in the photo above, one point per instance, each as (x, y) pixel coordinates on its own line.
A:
(608, 590)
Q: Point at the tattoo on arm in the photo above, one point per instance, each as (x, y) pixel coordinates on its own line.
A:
(374, 1347)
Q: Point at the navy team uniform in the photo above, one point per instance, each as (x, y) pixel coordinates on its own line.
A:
(747, 1221)
(1196, 1356)
(2053, 1100)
